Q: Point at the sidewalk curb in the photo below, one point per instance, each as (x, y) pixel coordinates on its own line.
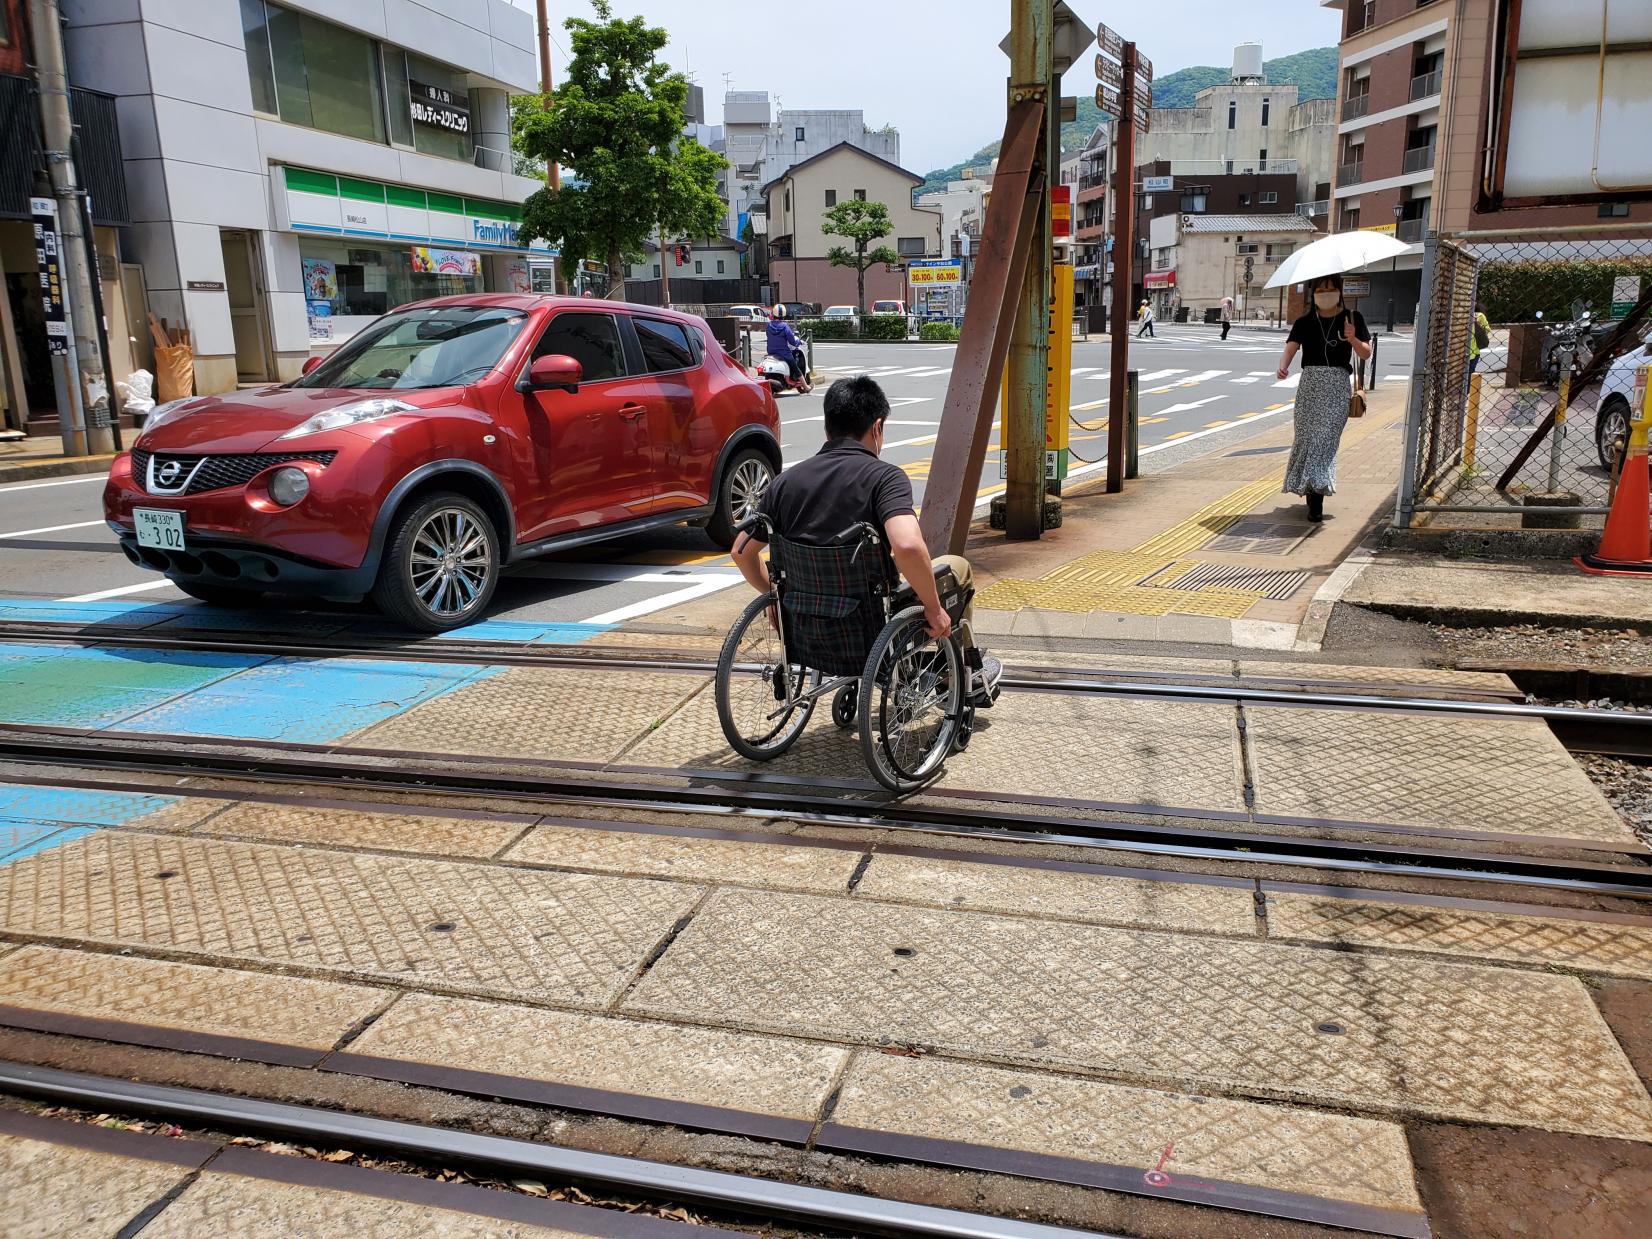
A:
(25, 471)
(1310, 637)
(1459, 616)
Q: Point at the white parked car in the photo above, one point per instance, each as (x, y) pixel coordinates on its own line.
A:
(1617, 389)
(839, 311)
(750, 315)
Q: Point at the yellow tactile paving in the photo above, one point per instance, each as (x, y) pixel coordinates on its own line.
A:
(1364, 1161)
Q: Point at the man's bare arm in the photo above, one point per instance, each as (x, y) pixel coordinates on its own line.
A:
(906, 545)
(748, 557)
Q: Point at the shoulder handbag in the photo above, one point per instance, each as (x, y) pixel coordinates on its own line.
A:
(1356, 401)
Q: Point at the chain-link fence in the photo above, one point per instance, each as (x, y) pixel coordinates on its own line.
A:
(1526, 360)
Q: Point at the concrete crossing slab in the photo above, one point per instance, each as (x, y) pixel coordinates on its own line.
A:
(45, 1184)
(1497, 776)
(475, 929)
(1409, 1036)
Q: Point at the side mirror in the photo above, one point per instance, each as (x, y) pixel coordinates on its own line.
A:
(555, 370)
(1540, 316)
(310, 363)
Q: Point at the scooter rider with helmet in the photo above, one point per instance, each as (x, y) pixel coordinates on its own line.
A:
(787, 345)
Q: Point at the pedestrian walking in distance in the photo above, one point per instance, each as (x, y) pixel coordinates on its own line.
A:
(1329, 336)
(1227, 320)
(1145, 316)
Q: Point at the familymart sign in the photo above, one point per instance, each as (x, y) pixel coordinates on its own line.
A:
(344, 206)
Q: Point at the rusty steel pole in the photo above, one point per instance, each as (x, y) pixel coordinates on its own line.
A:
(1032, 37)
(1124, 265)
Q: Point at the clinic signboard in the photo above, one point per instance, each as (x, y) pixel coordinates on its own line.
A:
(438, 107)
(48, 258)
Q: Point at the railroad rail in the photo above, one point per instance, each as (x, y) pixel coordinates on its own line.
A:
(1584, 730)
(759, 796)
(765, 1200)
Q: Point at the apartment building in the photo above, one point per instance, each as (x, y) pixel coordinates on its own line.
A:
(297, 168)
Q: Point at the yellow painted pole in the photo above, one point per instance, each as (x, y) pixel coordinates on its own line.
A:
(1472, 434)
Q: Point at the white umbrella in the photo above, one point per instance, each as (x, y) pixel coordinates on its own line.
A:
(1332, 255)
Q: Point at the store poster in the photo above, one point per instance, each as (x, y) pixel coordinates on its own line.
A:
(519, 277)
(431, 261)
(320, 279)
(321, 320)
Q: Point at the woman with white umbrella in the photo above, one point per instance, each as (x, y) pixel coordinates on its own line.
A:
(1329, 336)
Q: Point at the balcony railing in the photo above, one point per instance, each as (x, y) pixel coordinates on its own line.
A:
(1351, 173)
(1355, 106)
(1418, 159)
(1410, 230)
(1425, 84)
(1311, 209)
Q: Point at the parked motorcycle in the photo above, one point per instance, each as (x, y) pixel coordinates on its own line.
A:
(1580, 338)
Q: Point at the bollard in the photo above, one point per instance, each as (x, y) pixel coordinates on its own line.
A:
(1132, 426)
(1472, 433)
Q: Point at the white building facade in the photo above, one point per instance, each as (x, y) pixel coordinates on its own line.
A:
(298, 168)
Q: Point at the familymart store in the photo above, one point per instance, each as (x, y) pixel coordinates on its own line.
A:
(365, 247)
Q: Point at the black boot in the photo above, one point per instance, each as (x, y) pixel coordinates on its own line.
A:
(1316, 507)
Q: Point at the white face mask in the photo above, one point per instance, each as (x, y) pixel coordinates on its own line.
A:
(1328, 300)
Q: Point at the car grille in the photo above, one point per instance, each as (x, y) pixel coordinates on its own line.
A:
(218, 472)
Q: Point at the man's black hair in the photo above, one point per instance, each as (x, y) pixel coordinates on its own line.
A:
(854, 406)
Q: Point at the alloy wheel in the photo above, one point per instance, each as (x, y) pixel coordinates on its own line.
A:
(749, 482)
(449, 562)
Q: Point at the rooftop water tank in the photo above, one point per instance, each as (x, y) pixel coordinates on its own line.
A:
(1247, 62)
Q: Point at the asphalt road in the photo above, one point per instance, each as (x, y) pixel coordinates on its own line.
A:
(1198, 395)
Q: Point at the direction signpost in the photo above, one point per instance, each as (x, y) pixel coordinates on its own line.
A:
(1124, 89)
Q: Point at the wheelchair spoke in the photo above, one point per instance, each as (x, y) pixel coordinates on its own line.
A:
(917, 695)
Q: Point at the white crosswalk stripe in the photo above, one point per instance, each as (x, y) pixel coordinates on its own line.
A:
(1291, 382)
(1158, 374)
(1201, 378)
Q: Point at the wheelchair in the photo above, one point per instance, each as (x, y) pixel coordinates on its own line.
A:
(840, 623)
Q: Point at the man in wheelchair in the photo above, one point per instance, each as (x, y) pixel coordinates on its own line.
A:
(821, 501)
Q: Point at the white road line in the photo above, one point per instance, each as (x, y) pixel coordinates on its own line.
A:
(1183, 408)
(101, 594)
(1084, 369)
(80, 481)
(1199, 434)
(699, 589)
(1246, 380)
(933, 372)
(1201, 378)
(1158, 374)
(24, 533)
(1292, 381)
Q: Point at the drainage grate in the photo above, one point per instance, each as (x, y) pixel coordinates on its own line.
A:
(1260, 535)
(1276, 585)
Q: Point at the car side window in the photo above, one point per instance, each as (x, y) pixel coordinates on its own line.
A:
(664, 345)
(593, 340)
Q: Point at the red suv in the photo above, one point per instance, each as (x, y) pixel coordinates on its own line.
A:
(443, 442)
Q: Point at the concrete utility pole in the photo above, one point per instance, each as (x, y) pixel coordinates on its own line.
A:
(84, 404)
(1124, 265)
(1032, 35)
(553, 174)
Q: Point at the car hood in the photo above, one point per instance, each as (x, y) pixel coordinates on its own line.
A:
(252, 420)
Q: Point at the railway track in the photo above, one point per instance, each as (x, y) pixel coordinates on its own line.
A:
(759, 796)
(746, 1197)
(1582, 730)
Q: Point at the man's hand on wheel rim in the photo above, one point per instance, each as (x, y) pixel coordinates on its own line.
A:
(938, 622)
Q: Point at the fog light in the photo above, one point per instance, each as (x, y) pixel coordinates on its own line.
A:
(288, 486)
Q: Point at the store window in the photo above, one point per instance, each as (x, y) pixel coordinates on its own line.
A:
(590, 339)
(313, 73)
(368, 280)
(429, 106)
(664, 345)
(910, 247)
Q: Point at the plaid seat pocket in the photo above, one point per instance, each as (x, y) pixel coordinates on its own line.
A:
(830, 595)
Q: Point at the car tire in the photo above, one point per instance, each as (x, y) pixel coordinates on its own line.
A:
(1610, 424)
(435, 575)
(218, 595)
(742, 486)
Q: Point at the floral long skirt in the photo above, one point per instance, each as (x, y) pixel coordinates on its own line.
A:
(1321, 413)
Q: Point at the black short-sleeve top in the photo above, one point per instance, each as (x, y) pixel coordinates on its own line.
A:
(1321, 339)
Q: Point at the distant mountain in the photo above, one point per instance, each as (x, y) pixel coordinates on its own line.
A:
(1313, 73)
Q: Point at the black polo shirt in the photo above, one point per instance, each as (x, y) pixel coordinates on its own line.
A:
(820, 499)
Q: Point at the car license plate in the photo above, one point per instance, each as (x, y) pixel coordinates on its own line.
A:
(164, 530)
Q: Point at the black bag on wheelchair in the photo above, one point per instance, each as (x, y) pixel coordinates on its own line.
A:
(832, 601)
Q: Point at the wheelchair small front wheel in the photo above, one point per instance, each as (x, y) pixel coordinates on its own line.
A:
(754, 685)
(845, 706)
(911, 703)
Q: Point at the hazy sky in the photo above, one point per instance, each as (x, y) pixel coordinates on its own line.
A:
(931, 68)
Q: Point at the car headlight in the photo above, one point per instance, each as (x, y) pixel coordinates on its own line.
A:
(349, 415)
(168, 411)
(289, 485)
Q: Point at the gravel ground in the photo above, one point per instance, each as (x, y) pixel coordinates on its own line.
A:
(1628, 785)
(1534, 643)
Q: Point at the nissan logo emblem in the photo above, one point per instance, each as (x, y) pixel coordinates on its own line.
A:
(169, 473)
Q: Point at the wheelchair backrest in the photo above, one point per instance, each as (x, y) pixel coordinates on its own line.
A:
(833, 599)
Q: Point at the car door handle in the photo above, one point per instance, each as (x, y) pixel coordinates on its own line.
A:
(632, 411)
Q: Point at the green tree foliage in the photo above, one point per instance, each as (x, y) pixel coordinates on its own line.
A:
(861, 223)
(1516, 292)
(616, 123)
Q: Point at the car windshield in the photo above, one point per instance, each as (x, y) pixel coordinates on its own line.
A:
(437, 346)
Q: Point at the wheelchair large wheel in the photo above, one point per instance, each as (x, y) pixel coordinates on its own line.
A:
(911, 703)
(753, 683)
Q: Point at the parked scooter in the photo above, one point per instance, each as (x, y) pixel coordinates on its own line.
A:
(1579, 337)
